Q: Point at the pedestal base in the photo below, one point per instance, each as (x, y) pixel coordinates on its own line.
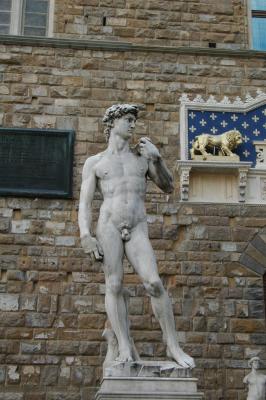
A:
(148, 380)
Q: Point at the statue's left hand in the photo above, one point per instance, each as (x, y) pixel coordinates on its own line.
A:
(148, 150)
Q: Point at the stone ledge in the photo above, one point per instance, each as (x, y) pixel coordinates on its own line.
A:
(149, 396)
(217, 166)
(212, 186)
(82, 44)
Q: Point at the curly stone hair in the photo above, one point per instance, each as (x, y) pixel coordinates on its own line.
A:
(117, 111)
(253, 359)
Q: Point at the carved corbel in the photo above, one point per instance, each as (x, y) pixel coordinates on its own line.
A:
(263, 189)
(184, 183)
(242, 184)
(260, 147)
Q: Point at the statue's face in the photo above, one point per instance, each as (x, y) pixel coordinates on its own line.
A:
(255, 364)
(124, 126)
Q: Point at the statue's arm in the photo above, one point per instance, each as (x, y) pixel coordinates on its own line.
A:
(157, 169)
(160, 175)
(88, 187)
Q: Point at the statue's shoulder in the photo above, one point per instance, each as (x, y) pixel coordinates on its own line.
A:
(91, 163)
(263, 376)
(246, 378)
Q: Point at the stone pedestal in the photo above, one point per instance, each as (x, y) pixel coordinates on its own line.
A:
(148, 380)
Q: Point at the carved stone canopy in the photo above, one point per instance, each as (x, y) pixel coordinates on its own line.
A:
(210, 116)
(223, 178)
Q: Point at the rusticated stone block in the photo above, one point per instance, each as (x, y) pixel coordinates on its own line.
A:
(49, 375)
(4, 225)
(89, 348)
(212, 351)
(12, 396)
(242, 309)
(30, 375)
(247, 325)
(38, 320)
(2, 374)
(22, 226)
(253, 293)
(91, 321)
(32, 347)
(199, 324)
(11, 319)
(9, 302)
(13, 375)
(225, 338)
(35, 395)
(9, 347)
(66, 347)
(63, 394)
(256, 309)
(16, 275)
(82, 375)
(258, 338)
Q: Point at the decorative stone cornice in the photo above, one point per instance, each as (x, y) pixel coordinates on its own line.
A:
(211, 101)
(80, 44)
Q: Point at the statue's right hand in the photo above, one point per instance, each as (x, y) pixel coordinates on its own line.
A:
(91, 246)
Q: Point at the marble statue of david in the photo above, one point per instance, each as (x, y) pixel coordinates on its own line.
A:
(120, 174)
(255, 380)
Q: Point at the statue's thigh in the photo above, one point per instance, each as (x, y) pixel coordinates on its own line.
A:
(141, 255)
(110, 240)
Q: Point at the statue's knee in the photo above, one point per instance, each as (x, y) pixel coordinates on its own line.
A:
(155, 289)
(114, 285)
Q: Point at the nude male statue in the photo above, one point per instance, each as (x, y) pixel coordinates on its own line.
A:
(255, 380)
(120, 174)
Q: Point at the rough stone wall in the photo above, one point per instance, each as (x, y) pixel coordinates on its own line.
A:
(52, 295)
(176, 23)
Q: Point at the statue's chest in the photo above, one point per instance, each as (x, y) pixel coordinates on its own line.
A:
(121, 167)
(257, 380)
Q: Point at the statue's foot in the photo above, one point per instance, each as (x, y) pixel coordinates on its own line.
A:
(180, 357)
(125, 356)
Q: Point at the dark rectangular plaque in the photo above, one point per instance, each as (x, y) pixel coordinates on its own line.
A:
(36, 162)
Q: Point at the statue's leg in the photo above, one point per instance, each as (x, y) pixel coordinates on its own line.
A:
(110, 239)
(141, 256)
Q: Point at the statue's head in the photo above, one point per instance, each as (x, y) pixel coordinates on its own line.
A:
(254, 362)
(115, 112)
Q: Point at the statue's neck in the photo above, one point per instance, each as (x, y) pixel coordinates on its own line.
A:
(118, 145)
(254, 371)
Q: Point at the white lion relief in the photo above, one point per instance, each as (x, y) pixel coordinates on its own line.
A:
(207, 144)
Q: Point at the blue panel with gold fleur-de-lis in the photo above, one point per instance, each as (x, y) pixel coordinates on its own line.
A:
(251, 124)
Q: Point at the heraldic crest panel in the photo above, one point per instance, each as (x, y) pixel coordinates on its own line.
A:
(225, 139)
